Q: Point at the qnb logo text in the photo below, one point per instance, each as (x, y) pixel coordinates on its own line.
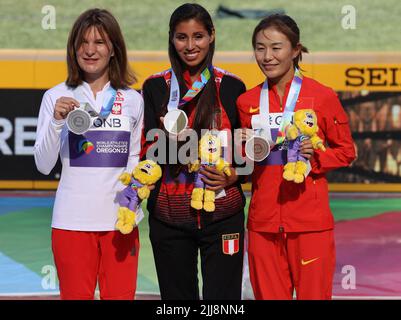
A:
(107, 123)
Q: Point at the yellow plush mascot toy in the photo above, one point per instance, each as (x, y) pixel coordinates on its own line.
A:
(305, 126)
(209, 154)
(147, 172)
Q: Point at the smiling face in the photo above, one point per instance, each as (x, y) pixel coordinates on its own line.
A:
(94, 53)
(274, 54)
(192, 42)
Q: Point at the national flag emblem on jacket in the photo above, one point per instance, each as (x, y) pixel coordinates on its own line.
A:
(116, 108)
(230, 243)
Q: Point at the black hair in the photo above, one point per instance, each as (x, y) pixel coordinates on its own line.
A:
(286, 25)
(207, 102)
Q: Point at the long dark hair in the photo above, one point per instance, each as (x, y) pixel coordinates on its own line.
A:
(207, 102)
(120, 74)
(286, 25)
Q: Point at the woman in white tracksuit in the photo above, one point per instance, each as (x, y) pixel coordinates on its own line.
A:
(86, 246)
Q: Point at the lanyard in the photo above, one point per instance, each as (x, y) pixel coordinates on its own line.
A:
(289, 105)
(197, 87)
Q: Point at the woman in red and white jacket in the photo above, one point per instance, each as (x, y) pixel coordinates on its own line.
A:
(87, 248)
(290, 225)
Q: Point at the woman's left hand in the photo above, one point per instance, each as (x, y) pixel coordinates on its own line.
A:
(217, 180)
(307, 149)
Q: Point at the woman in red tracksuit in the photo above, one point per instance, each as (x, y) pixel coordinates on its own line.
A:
(290, 225)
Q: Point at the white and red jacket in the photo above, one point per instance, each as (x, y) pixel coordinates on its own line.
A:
(91, 163)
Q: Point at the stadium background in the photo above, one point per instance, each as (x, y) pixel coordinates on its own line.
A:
(361, 64)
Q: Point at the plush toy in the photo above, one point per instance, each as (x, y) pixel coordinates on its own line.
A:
(305, 126)
(147, 172)
(209, 154)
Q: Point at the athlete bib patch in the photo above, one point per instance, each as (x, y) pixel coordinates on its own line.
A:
(278, 155)
(105, 145)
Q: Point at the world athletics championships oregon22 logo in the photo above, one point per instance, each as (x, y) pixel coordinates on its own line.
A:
(85, 146)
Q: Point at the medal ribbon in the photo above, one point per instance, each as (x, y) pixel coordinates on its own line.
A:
(289, 105)
(106, 109)
(197, 87)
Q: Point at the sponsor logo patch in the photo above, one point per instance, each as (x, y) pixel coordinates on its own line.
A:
(253, 109)
(306, 262)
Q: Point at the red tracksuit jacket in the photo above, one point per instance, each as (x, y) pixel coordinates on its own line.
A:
(279, 205)
(170, 201)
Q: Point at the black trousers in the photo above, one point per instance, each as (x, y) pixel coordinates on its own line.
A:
(175, 252)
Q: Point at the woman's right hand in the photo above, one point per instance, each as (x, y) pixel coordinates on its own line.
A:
(64, 105)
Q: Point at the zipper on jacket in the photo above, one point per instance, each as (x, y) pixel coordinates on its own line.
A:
(283, 242)
(198, 218)
(280, 100)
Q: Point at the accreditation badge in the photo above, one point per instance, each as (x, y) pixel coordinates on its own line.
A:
(230, 243)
